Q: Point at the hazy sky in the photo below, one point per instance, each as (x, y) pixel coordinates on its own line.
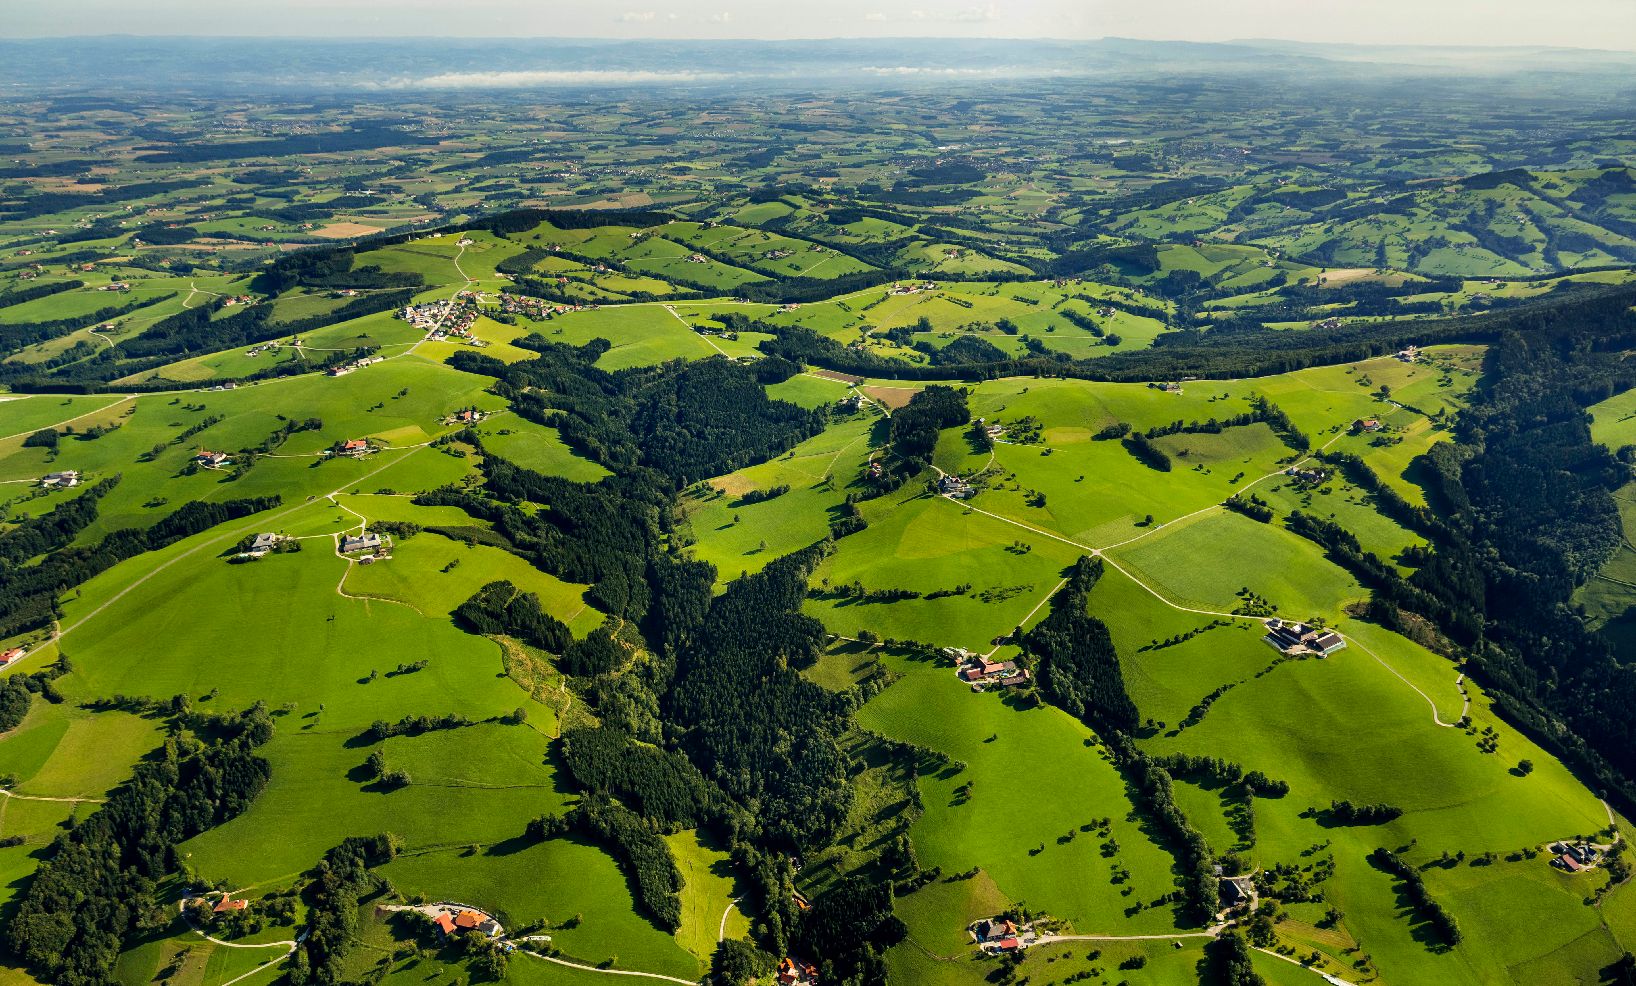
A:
(1572, 23)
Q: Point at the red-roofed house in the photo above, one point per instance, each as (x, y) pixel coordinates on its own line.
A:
(227, 905)
(1569, 863)
(1008, 945)
(356, 446)
(444, 923)
(8, 656)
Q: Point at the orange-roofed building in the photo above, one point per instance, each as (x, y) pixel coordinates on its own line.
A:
(444, 923)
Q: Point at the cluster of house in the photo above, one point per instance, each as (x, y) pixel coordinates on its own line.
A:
(1575, 857)
(1328, 323)
(981, 673)
(266, 347)
(354, 448)
(992, 431)
(450, 316)
(237, 299)
(60, 480)
(698, 258)
(11, 655)
(228, 385)
(468, 416)
(342, 369)
(913, 287)
(1169, 388)
(212, 460)
(850, 404)
(796, 972)
(876, 469)
(1002, 935)
(116, 286)
(522, 304)
(953, 486)
(777, 254)
(1409, 354)
(790, 307)
(1298, 638)
(451, 921)
(346, 293)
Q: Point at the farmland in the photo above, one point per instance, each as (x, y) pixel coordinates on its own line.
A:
(692, 528)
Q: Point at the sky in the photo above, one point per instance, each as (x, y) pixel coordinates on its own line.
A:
(1566, 23)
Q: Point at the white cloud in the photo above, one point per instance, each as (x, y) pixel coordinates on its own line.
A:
(976, 14)
(725, 17)
(638, 16)
(875, 16)
(546, 79)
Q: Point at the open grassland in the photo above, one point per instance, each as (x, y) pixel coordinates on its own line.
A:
(1055, 855)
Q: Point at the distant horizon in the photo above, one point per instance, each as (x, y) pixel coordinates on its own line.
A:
(1588, 25)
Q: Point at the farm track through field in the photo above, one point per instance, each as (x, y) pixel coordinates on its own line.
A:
(610, 972)
(721, 931)
(36, 797)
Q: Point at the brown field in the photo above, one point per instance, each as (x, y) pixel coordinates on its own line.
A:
(892, 397)
(342, 231)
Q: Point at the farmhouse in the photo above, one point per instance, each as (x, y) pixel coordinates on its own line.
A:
(212, 460)
(355, 447)
(981, 673)
(60, 480)
(264, 543)
(993, 929)
(956, 487)
(1237, 890)
(1409, 354)
(11, 656)
(1298, 638)
(367, 541)
(796, 972)
(227, 905)
(1366, 424)
(444, 923)
(476, 921)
